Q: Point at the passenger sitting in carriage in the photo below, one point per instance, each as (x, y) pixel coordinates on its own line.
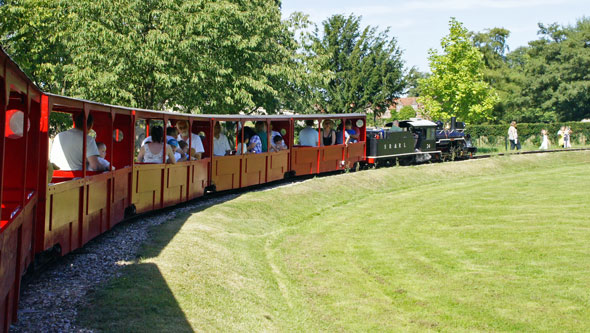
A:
(102, 149)
(183, 151)
(277, 144)
(255, 143)
(153, 152)
(196, 145)
(67, 148)
(308, 136)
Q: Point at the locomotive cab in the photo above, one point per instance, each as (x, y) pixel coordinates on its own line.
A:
(424, 133)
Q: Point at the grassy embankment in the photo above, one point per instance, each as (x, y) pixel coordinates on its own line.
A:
(489, 245)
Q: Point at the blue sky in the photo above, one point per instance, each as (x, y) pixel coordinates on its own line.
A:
(419, 25)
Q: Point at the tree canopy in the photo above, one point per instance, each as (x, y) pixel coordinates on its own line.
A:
(192, 55)
(546, 81)
(366, 66)
(456, 86)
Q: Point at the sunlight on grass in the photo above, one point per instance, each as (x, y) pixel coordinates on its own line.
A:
(489, 245)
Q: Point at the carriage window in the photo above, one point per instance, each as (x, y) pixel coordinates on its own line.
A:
(224, 138)
(140, 134)
(279, 136)
(118, 135)
(430, 134)
(15, 123)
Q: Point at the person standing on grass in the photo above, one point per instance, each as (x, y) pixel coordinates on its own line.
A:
(567, 138)
(560, 134)
(513, 136)
(545, 142)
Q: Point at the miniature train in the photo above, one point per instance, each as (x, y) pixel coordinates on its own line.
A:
(62, 210)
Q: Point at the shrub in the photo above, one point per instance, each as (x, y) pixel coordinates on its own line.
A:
(404, 113)
(532, 131)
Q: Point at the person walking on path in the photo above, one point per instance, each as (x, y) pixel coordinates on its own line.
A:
(545, 142)
(513, 136)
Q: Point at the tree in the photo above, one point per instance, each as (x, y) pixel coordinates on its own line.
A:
(190, 55)
(556, 72)
(412, 79)
(404, 113)
(456, 86)
(366, 65)
(546, 81)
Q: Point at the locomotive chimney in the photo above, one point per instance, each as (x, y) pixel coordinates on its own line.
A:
(453, 123)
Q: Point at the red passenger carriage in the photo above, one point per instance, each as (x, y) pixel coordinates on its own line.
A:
(65, 210)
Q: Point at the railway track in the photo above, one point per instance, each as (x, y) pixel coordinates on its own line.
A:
(530, 152)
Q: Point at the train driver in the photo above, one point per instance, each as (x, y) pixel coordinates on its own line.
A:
(196, 149)
(67, 148)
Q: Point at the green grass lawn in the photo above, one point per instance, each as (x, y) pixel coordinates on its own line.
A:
(500, 244)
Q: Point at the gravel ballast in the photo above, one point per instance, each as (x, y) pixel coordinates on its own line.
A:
(50, 301)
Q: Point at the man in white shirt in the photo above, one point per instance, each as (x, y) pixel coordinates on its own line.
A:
(68, 147)
(309, 136)
(196, 149)
(221, 145)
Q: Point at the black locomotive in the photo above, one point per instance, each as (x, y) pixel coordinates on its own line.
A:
(417, 141)
(452, 140)
(412, 141)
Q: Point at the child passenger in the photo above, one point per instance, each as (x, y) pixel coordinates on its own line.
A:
(183, 152)
(102, 151)
(277, 144)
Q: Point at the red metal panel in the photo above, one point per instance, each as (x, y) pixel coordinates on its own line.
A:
(63, 215)
(15, 148)
(304, 160)
(278, 165)
(199, 177)
(29, 216)
(225, 172)
(34, 160)
(175, 183)
(253, 169)
(10, 271)
(355, 152)
(42, 189)
(120, 195)
(3, 103)
(96, 203)
(147, 186)
(331, 158)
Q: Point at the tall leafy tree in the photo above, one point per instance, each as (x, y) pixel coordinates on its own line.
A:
(499, 72)
(557, 74)
(547, 80)
(366, 65)
(191, 55)
(456, 86)
(413, 82)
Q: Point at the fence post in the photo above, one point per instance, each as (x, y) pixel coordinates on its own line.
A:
(506, 143)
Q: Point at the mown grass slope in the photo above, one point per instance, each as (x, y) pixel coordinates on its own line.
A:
(491, 245)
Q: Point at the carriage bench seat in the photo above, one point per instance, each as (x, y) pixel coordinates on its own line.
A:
(60, 176)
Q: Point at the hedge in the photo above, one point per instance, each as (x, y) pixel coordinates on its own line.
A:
(530, 132)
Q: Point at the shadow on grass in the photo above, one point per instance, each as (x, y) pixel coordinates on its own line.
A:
(139, 301)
